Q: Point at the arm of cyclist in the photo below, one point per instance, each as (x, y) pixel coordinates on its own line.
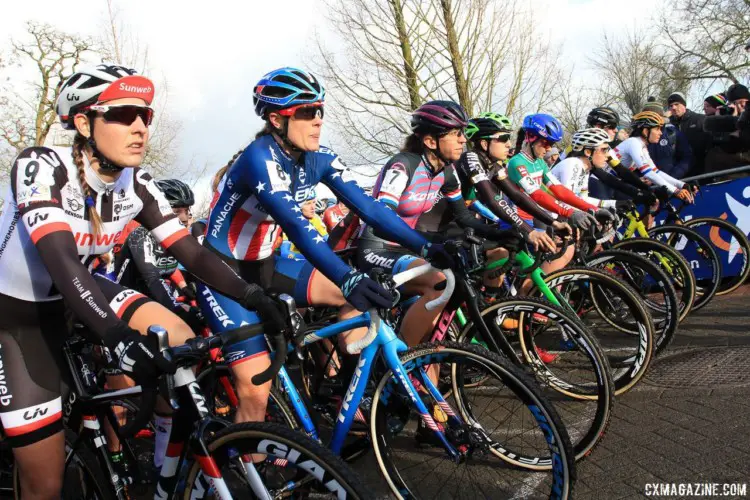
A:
(522, 200)
(521, 177)
(566, 195)
(615, 183)
(141, 248)
(379, 214)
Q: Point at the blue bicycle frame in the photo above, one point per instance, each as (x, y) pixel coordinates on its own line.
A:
(392, 346)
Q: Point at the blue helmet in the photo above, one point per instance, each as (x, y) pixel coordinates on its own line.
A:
(284, 88)
(543, 125)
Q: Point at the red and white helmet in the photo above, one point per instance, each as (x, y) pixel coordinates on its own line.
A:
(97, 84)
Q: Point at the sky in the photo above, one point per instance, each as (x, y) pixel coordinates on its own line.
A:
(212, 53)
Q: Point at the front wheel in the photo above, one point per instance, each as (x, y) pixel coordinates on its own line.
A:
(508, 437)
(294, 465)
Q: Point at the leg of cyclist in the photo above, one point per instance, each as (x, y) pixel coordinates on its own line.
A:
(31, 340)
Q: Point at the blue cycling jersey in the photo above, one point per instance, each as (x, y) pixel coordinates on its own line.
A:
(259, 197)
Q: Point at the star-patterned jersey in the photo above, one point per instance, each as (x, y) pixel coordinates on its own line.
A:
(259, 198)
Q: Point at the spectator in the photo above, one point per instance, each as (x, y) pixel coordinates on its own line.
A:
(551, 157)
(731, 148)
(690, 123)
(738, 96)
(712, 103)
(672, 153)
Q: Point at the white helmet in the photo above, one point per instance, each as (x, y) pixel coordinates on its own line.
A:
(589, 138)
(85, 88)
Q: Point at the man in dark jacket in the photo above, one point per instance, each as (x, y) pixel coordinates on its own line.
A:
(672, 153)
(690, 123)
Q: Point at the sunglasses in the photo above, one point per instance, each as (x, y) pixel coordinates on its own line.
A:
(605, 149)
(501, 138)
(125, 113)
(305, 112)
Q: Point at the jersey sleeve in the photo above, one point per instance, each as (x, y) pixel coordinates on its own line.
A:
(519, 174)
(393, 180)
(383, 220)
(521, 199)
(564, 194)
(141, 247)
(642, 162)
(156, 214)
(37, 177)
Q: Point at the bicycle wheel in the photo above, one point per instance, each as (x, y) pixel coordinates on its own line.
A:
(598, 298)
(219, 403)
(578, 381)
(294, 465)
(511, 439)
(671, 262)
(83, 479)
(699, 253)
(731, 239)
(654, 287)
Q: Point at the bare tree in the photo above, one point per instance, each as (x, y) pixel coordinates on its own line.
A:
(632, 69)
(707, 38)
(28, 114)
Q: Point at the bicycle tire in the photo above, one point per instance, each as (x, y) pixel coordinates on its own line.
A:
(705, 289)
(584, 441)
(680, 274)
(284, 444)
(727, 285)
(634, 270)
(277, 411)
(385, 427)
(627, 369)
(92, 479)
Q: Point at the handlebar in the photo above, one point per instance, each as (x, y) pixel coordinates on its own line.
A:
(394, 282)
(196, 349)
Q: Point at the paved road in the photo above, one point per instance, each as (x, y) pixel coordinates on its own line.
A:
(688, 422)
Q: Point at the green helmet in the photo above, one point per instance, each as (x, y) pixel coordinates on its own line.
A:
(487, 125)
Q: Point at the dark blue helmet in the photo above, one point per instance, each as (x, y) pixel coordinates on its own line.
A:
(284, 88)
(543, 125)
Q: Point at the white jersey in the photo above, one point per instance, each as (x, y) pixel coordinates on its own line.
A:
(45, 196)
(633, 154)
(573, 174)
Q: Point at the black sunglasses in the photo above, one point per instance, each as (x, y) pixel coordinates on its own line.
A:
(125, 113)
(304, 112)
(501, 138)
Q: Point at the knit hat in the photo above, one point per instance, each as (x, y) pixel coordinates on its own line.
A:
(716, 100)
(677, 97)
(654, 106)
(551, 152)
(737, 91)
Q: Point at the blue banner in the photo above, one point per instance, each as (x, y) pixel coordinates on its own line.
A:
(729, 200)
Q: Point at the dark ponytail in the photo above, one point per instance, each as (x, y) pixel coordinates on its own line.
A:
(519, 139)
(413, 144)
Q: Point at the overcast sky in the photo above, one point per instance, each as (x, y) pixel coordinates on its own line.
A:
(213, 52)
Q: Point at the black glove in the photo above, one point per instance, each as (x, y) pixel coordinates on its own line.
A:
(581, 219)
(438, 256)
(364, 293)
(624, 206)
(509, 239)
(603, 215)
(268, 310)
(645, 198)
(137, 355)
(192, 316)
(187, 292)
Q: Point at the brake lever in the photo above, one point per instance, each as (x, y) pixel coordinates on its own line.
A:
(162, 337)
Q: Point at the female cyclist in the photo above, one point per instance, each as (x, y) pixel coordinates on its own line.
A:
(590, 150)
(484, 165)
(421, 185)
(258, 199)
(67, 206)
(633, 154)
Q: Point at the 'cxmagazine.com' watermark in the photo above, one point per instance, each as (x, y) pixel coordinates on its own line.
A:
(696, 490)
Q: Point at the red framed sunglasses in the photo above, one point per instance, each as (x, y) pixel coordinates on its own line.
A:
(304, 111)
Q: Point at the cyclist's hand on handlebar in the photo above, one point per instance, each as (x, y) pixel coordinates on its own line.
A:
(562, 227)
(581, 220)
(646, 198)
(603, 215)
(364, 293)
(437, 255)
(624, 206)
(136, 355)
(693, 186)
(267, 308)
(540, 239)
(686, 195)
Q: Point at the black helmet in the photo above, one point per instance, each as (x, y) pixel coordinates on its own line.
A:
(178, 193)
(438, 117)
(603, 116)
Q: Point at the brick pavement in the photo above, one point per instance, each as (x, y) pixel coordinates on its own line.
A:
(682, 430)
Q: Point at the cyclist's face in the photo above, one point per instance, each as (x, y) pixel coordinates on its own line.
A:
(600, 155)
(121, 144)
(452, 144)
(499, 147)
(654, 134)
(301, 131)
(183, 213)
(541, 146)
